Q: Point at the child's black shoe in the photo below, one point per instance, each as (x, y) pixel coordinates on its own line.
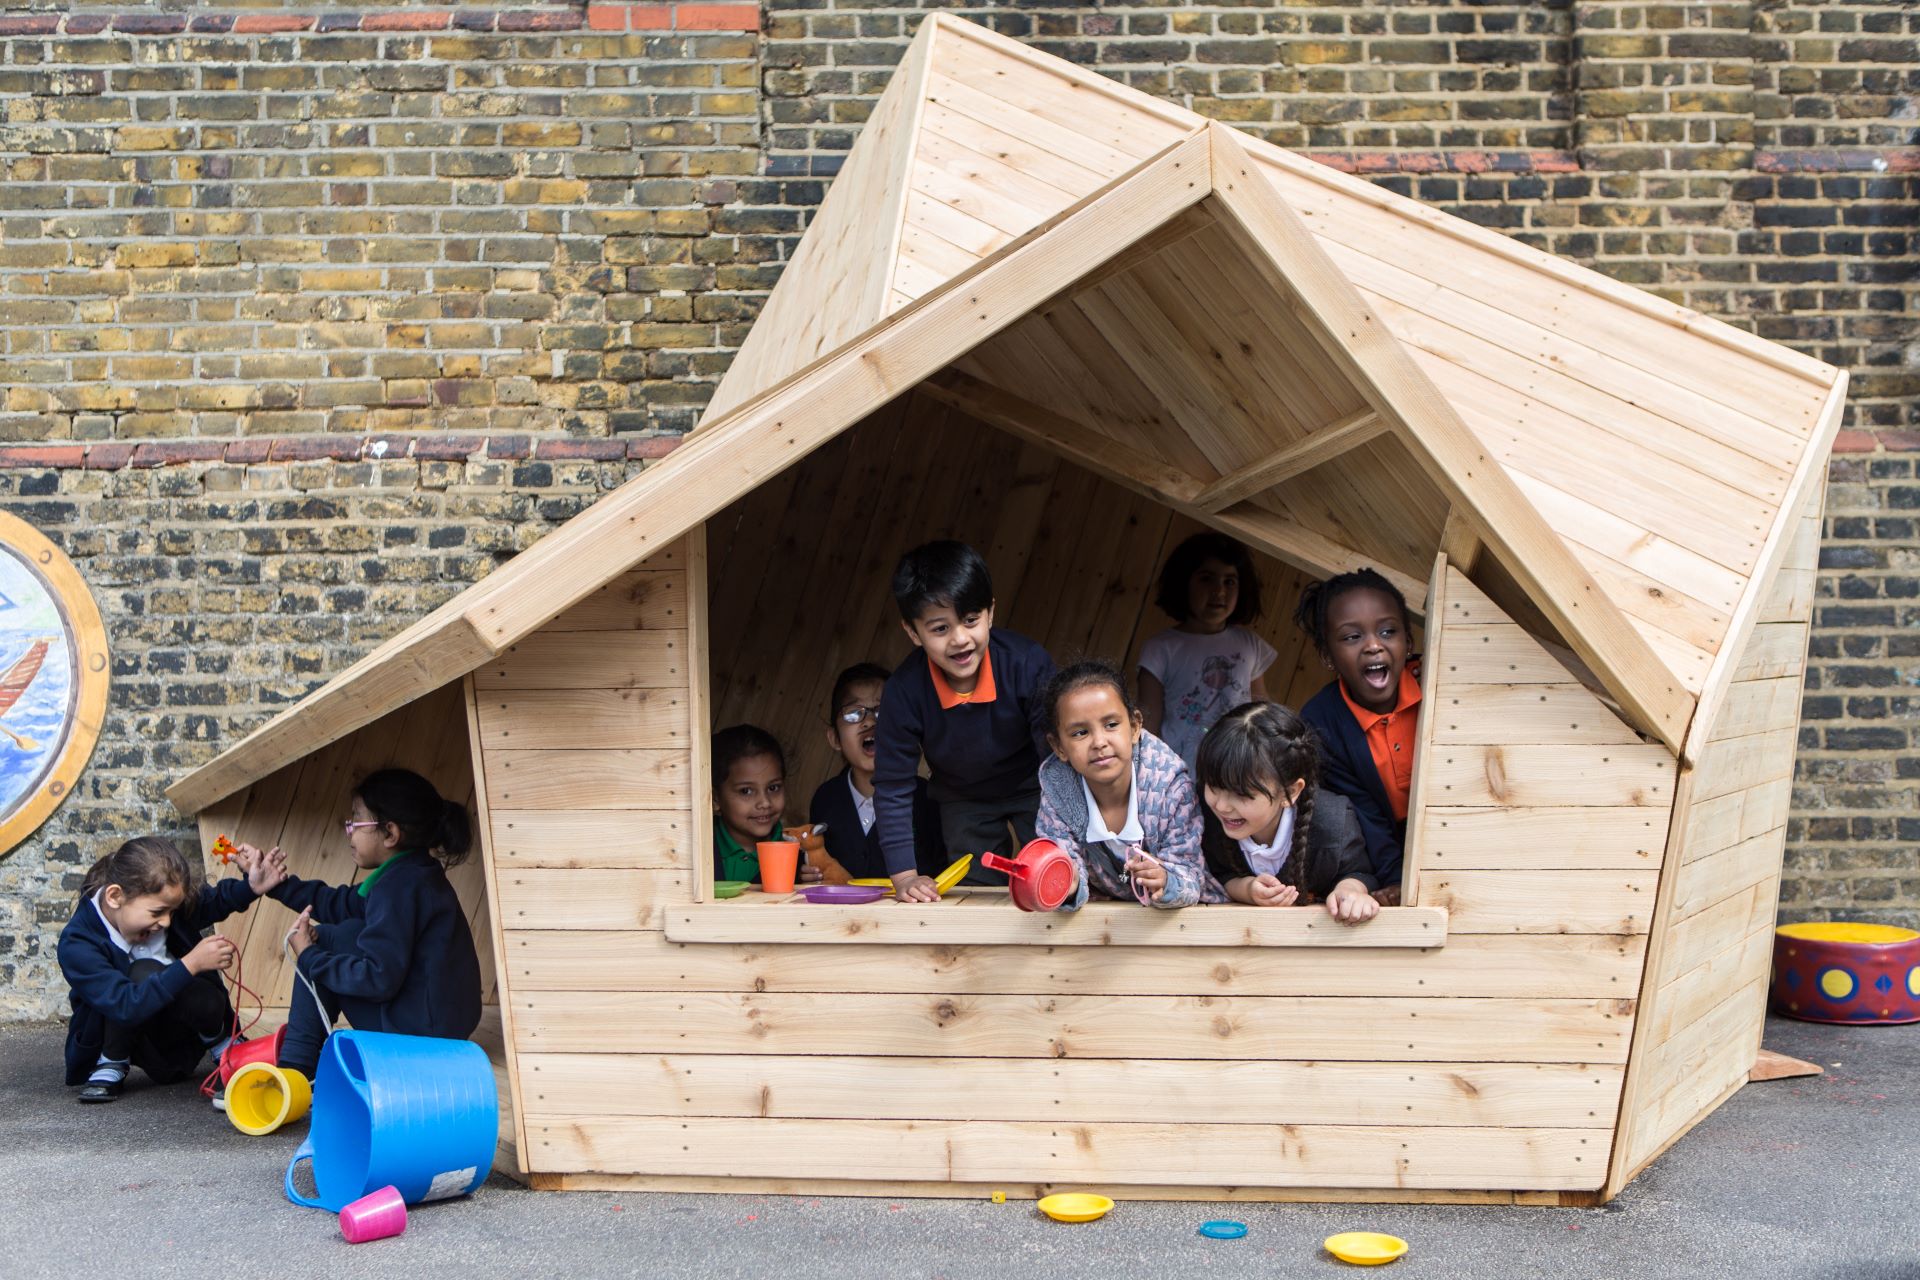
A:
(102, 1091)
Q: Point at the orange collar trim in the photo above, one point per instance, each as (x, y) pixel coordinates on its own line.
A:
(1409, 697)
(983, 690)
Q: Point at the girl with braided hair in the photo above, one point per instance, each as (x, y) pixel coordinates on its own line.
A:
(1271, 836)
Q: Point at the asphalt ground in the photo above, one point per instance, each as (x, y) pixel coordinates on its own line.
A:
(1800, 1179)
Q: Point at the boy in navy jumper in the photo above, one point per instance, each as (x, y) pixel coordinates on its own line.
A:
(845, 802)
(971, 703)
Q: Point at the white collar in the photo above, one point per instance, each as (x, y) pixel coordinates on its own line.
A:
(1267, 859)
(1130, 831)
(113, 934)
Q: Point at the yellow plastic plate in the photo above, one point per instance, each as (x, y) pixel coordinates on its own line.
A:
(951, 877)
(1365, 1248)
(1876, 935)
(1076, 1206)
(943, 882)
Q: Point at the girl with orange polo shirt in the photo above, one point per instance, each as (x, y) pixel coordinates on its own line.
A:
(1367, 716)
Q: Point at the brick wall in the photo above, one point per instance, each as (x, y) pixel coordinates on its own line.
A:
(311, 314)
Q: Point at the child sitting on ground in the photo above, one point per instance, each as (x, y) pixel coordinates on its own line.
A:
(393, 952)
(1368, 715)
(970, 702)
(1118, 799)
(1209, 660)
(1273, 838)
(845, 802)
(146, 986)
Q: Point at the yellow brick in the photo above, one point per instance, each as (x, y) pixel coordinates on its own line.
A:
(155, 254)
(140, 138)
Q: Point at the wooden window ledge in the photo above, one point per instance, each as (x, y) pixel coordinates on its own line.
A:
(984, 917)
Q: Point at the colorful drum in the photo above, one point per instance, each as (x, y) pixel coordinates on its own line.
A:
(1827, 971)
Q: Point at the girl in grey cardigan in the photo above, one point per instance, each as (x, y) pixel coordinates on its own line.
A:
(1118, 799)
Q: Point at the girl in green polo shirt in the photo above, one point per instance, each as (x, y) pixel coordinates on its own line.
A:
(749, 796)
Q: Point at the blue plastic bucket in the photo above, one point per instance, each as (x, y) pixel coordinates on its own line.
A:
(412, 1112)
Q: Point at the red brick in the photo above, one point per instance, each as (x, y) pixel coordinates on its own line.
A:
(716, 17)
(509, 447)
(245, 452)
(541, 20)
(33, 24)
(254, 23)
(652, 446)
(650, 17)
(108, 457)
(606, 17)
(1896, 438)
(87, 24)
(576, 450)
(406, 21)
(1852, 441)
(173, 451)
(150, 24)
(311, 448)
(60, 455)
(447, 448)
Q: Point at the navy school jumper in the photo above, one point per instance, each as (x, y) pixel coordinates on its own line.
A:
(400, 959)
(98, 971)
(859, 852)
(976, 751)
(1347, 768)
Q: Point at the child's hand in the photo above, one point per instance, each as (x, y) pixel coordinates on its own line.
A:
(1387, 895)
(911, 886)
(1350, 903)
(808, 873)
(1267, 891)
(1149, 875)
(208, 954)
(303, 934)
(264, 871)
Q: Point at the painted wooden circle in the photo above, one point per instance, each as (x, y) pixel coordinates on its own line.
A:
(53, 678)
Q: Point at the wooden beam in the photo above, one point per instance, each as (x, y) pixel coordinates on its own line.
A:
(764, 436)
(1271, 531)
(1355, 341)
(1071, 438)
(1185, 226)
(1460, 542)
(1322, 445)
(1099, 924)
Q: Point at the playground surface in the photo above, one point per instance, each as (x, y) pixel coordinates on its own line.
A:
(1805, 1179)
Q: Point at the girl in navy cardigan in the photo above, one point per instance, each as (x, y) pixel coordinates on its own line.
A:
(393, 953)
(146, 986)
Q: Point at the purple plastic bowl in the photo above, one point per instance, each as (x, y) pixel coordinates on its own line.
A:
(845, 895)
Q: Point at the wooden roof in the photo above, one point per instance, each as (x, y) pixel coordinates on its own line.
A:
(1335, 373)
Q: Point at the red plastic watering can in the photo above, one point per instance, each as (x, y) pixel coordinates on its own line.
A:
(1041, 875)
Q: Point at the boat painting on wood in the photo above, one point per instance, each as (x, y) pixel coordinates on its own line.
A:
(53, 678)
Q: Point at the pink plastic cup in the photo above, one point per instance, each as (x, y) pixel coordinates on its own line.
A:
(374, 1217)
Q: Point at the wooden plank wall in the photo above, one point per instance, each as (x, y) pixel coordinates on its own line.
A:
(1706, 1002)
(800, 567)
(768, 1063)
(300, 808)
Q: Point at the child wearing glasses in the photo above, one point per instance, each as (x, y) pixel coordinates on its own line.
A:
(844, 802)
(392, 952)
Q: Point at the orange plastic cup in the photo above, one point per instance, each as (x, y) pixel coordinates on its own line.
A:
(779, 860)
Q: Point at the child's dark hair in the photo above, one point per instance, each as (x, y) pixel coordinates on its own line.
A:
(1174, 597)
(858, 673)
(425, 819)
(1260, 748)
(739, 742)
(942, 573)
(1316, 601)
(142, 866)
(1082, 675)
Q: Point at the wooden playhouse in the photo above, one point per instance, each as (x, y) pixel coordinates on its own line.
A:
(1070, 323)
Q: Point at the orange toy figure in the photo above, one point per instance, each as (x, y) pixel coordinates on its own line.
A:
(812, 838)
(223, 849)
